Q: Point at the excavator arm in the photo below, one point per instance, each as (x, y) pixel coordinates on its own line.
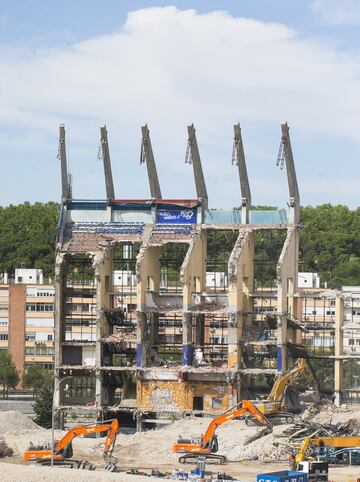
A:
(207, 445)
(61, 446)
(302, 368)
(245, 408)
(337, 442)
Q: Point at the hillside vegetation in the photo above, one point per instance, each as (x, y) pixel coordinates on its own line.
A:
(329, 241)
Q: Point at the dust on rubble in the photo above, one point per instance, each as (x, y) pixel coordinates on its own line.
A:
(153, 449)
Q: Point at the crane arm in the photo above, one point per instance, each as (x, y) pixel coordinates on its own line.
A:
(246, 408)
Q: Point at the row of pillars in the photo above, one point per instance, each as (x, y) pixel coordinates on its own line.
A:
(192, 157)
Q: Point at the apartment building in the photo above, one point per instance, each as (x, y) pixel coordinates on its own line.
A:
(27, 319)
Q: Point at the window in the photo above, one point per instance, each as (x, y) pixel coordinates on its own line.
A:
(351, 341)
(20, 279)
(4, 336)
(39, 307)
(49, 337)
(4, 322)
(216, 403)
(198, 403)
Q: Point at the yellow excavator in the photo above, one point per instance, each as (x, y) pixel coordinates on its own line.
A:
(311, 447)
(275, 407)
(63, 451)
(315, 454)
(207, 444)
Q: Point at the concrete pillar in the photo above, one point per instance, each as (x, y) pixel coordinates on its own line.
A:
(60, 305)
(148, 280)
(104, 287)
(287, 272)
(241, 279)
(142, 341)
(339, 348)
(193, 276)
(188, 349)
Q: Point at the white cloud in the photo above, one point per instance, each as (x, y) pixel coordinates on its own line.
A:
(337, 12)
(169, 68)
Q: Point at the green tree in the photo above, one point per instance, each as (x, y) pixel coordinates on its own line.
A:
(35, 377)
(43, 403)
(27, 236)
(9, 376)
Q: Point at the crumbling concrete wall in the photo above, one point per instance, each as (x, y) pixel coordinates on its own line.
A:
(193, 276)
(287, 273)
(148, 279)
(176, 396)
(241, 280)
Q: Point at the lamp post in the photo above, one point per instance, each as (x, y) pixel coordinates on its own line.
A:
(56, 388)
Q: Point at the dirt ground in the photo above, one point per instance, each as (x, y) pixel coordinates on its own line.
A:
(152, 450)
(243, 471)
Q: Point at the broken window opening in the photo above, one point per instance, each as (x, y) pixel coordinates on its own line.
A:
(80, 297)
(220, 244)
(210, 336)
(167, 340)
(171, 259)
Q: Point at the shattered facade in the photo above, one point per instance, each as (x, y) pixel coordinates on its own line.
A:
(163, 306)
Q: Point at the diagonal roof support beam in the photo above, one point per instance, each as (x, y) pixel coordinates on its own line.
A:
(239, 160)
(291, 175)
(65, 184)
(193, 156)
(109, 185)
(148, 156)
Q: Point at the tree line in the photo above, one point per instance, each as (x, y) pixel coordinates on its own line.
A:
(329, 241)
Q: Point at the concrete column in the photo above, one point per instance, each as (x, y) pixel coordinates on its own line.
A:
(339, 348)
(60, 305)
(148, 280)
(241, 279)
(287, 272)
(193, 275)
(188, 349)
(104, 286)
(142, 341)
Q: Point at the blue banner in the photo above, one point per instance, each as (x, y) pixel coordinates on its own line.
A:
(168, 216)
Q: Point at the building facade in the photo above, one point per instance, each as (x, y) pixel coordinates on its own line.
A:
(172, 298)
(27, 319)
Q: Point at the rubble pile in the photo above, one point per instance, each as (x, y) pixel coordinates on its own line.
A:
(5, 450)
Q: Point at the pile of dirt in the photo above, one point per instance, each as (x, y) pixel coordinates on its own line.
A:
(231, 437)
(17, 430)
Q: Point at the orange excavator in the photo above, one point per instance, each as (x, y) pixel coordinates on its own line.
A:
(207, 445)
(63, 450)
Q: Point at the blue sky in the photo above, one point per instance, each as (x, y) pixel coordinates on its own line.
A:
(213, 63)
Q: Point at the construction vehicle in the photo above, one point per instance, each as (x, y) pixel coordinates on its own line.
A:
(207, 444)
(63, 451)
(324, 448)
(279, 407)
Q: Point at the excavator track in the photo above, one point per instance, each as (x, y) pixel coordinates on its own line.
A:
(193, 458)
(69, 464)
